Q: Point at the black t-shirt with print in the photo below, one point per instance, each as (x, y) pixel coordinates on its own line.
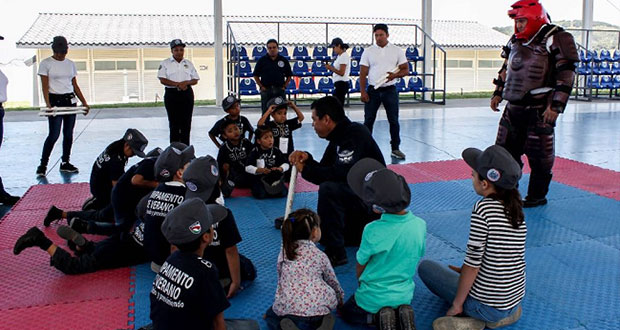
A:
(242, 122)
(106, 168)
(272, 157)
(284, 130)
(236, 156)
(130, 195)
(272, 73)
(186, 294)
(225, 235)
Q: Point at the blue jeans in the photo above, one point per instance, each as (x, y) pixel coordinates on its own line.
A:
(303, 323)
(444, 282)
(389, 97)
(67, 122)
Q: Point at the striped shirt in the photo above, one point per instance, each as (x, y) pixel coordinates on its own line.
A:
(498, 250)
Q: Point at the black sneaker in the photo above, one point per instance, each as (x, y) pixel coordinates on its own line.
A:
(79, 225)
(41, 170)
(33, 237)
(71, 235)
(337, 256)
(68, 168)
(527, 203)
(386, 319)
(54, 214)
(406, 318)
(398, 154)
(8, 199)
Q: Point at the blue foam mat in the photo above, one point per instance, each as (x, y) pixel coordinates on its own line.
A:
(573, 256)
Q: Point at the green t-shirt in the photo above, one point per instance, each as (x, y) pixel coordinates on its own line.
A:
(391, 249)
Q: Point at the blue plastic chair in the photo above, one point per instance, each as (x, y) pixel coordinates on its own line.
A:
(320, 53)
(616, 56)
(319, 70)
(326, 85)
(300, 69)
(595, 83)
(604, 68)
(355, 68)
(615, 68)
(605, 55)
(291, 89)
(401, 86)
(595, 57)
(355, 89)
(239, 54)
(412, 72)
(416, 85)
(258, 52)
(244, 69)
(282, 51)
(412, 54)
(301, 53)
(616, 83)
(606, 82)
(356, 53)
(307, 86)
(584, 68)
(247, 86)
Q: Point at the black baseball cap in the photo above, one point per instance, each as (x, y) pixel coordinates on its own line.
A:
(228, 102)
(336, 42)
(171, 160)
(190, 220)
(153, 153)
(278, 101)
(176, 42)
(494, 164)
(201, 177)
(377, 185)
(136, 140)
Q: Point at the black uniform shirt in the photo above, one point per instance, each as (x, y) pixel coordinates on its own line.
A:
(272, 157)
(284, 130)
(107, 168)
(186, 294)
(225, 235)
(272, 73)
(236, 156)
(129, 195)
(242, 122)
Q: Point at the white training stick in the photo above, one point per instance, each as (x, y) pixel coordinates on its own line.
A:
(291, 191)
(384, 79)
(60, 111)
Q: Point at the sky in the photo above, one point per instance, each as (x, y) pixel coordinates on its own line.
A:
(16, 17)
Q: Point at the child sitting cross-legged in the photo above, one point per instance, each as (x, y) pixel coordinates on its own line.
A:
(268, 165)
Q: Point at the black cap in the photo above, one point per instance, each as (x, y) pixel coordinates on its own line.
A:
(377, 185)
(171, 160)
(1, 38)
(190, 220)
(136, 140)
(336, 42)
(176, 42)
(278, 101)
(494, 164)
(201, 177)
(59, 45)
(153, 153)
(228, 102)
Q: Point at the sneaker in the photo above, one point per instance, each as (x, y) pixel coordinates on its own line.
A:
(33, 237)
(386, 319)
(8, 199)
(406, 318)
(398, 154)
(79, 225)
(71, 235)
(458, 323)
(41, 170)
(337, 256)
(527, 203)
(54, 214)
(328, 322)
(514, 317)
(288, 324)
(68, 168)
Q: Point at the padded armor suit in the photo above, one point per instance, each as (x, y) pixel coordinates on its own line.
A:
(538, 74)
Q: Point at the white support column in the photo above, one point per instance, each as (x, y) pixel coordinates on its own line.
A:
(587, 18)
(427, 26)
(219, 69)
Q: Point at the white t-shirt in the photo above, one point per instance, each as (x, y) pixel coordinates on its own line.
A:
(343, 58)
(3, 82)
(60, 74)
(177, 71)
(380, 60)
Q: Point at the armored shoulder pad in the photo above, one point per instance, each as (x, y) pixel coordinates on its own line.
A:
(562, 46)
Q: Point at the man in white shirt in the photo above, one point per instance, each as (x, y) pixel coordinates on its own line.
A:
(178, 75)
(5, 197)
(379, 63)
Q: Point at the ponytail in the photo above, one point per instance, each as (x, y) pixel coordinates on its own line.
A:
(513, 205)
(344, 46)
(297, 226)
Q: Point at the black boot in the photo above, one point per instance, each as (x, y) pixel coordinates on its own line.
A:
(72, 236)
(53, 214)
(33, 237)
(528, 202)
(386, 319)
(79, 225)
(406, 318)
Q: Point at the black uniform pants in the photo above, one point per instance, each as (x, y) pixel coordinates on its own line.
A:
(343, 215)
(105, 214)
(112, 252)
(270, 93)
(179, 107)
(522, 130)
(340, 90)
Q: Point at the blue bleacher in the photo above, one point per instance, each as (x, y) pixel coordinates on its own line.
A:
(244, 69)
(355, 68)
(616, 82)
(616, 56)
(605, 55)
(595, 57)
(300, 53)
(355, 89)
(356, 53)
(326, 85)
(412, 54)
(615, 68)
(319, 69)
(584, 68)
(606, 82)
(247, 86)
(585, 56)
(300, 69)
(412, 72)
(595, 83)
(416, 85)
(401, 86)
(291, 89)
(239, 53)
(307, 86)
(320, 53)
(282, 51)
(602, 68)
(258, 52)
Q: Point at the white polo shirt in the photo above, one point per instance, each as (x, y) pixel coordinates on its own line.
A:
(177, 71)
(380, 60)
(343, 58)
(59, 73)
(4, 81)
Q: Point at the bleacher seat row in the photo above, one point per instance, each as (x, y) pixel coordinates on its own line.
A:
(319, 53)
(317, 69)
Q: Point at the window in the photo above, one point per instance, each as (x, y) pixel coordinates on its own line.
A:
(460, 64)
(452, 63)
(115, 65)
(80, 65)
(151, 65)
(466, 64)
(490, 64)
(125, 65)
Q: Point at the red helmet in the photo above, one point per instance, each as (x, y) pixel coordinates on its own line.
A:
(535, 14)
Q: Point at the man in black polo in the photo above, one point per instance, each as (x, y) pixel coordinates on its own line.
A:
(272, 74)
(338, 206)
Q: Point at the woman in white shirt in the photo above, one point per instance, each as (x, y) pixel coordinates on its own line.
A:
(340, 69)
(60, 89)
